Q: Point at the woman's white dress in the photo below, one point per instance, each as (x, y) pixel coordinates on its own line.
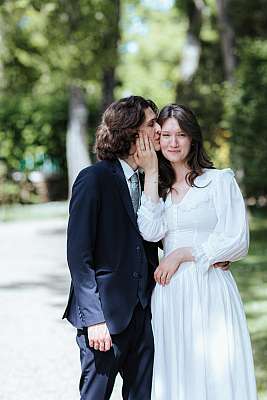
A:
(202, 345)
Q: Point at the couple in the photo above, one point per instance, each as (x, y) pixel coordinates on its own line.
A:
(199, 342)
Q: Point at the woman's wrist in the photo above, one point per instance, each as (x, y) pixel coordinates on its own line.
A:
(187, 254)
(152, 172)
(151, 179)
(183, 254)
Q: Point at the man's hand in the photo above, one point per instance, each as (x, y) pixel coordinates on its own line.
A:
(99, 337)
(225, 265)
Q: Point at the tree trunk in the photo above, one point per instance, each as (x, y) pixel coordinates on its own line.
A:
(76, 143)
(108, 85)
(1, 55)
(192, 47)
(227, 39)
(111, 41)
(190, 58)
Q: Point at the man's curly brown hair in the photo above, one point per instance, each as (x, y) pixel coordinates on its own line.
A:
(119, 127)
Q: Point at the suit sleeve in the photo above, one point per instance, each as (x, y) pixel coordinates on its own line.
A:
(82, 226)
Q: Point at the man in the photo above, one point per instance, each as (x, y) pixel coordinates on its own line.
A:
(111, 265)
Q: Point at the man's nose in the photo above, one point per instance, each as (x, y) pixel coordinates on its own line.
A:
(157, 128)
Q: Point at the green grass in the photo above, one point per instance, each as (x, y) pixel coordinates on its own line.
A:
(251, 277)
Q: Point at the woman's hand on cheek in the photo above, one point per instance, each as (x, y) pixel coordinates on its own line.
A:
(145, 156)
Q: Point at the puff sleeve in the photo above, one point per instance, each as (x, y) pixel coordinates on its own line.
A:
(230, 239)
(151, 220)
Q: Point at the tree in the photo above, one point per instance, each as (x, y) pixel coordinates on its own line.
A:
(189, 62)
(227, 38)
(246, 106)
(62, 51)
(76, 144)
(200, 71)
(149, 50)
(110, 40)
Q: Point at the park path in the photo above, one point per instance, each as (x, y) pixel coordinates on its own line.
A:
(39, 358)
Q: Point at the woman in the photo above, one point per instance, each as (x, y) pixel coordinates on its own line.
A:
(202, 345)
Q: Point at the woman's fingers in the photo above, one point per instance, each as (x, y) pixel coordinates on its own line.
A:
(162, 277)
(157, 274)
(151, 145)
(138, 146)
(168, 278)
(146, 142)
(142, 141)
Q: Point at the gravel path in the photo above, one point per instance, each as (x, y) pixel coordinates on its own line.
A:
(39, 358)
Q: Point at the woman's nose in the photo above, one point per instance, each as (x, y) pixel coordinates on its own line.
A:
(174, 141)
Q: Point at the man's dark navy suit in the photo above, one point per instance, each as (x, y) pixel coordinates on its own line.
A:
(112, 279)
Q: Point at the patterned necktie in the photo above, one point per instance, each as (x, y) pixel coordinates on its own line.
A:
(135, 194)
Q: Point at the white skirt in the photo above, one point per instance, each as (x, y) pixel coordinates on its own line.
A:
(202, 345)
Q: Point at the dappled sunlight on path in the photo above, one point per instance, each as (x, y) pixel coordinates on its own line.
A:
(39, 355)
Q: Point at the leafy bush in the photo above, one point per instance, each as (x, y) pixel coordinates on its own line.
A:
(246, 105)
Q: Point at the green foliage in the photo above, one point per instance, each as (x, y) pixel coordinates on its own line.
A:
(251, 277)
(31, 128)
(251, 20)
(9, 193)
(12, 192)
(246, 105)
(149, 52)
(47, 46)
(204, 94)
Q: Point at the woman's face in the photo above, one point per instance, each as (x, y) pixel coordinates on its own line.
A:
(175, 144)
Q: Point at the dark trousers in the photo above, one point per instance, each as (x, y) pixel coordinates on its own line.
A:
(131, 355)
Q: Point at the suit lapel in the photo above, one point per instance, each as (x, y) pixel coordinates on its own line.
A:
(124, 192)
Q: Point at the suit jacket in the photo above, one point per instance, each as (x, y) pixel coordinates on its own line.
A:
(111, 265)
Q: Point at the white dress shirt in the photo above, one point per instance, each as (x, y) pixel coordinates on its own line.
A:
(128, 173)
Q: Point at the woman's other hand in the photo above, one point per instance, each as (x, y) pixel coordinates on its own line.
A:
(169, 264)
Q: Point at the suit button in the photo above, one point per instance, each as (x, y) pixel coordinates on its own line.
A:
(138, 248)
(136, 275)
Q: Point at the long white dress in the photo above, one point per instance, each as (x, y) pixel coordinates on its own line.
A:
(202, 344)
